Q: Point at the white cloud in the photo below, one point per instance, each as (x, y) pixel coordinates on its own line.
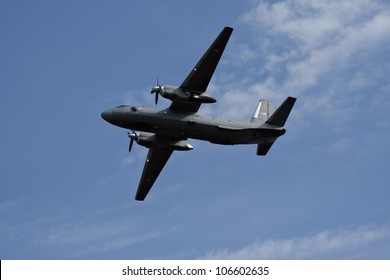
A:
(312, 23)
(243, 54)
(319, 51)
(331, 55)
(320, 245)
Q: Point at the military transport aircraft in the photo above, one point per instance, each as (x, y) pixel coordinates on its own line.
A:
(167, 130)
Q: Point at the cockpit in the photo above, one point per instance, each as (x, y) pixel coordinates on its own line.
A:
(132, 108)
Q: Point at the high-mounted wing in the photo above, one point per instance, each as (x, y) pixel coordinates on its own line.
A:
(155, 162)
(199, 78)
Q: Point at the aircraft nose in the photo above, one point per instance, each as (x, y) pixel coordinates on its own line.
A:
(107, 115)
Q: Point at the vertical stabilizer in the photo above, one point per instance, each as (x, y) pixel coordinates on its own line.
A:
(281, 114)
(277, 118)
(263, 111)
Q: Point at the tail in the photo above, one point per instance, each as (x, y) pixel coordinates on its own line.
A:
(278, 118)
(263, 111)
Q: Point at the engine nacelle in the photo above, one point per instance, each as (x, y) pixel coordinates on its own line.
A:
(150, 140)
(172, 93)
(176, 94)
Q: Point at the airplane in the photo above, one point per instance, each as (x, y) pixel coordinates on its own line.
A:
(167, 130)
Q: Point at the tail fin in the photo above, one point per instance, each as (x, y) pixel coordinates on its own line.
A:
(278, 118)
(281, 114)
(263, 111)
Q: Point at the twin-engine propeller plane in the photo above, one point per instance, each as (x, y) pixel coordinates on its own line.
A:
(167, 130)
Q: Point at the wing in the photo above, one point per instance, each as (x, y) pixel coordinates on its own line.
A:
(155, 162)
(199, 78)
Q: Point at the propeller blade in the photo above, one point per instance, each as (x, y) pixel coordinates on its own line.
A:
(133, 135)
(156, 89)
(131, 144)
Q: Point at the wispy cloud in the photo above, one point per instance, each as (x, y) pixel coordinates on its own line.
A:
(324, 52)
(81, 236)
(116, 244)
(10, 204)
(321, 245)
(331, 55)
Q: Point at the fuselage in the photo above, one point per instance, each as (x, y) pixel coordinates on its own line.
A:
(164, 131)
(179, 124)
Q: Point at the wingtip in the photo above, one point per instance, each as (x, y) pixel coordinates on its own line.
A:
(139, 197)
(228, 28)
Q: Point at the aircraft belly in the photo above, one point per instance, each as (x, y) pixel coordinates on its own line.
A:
(215, 135)
(231, 136)
(217, 132)
(184, 128)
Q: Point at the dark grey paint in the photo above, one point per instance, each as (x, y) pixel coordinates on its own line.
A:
(163, 131)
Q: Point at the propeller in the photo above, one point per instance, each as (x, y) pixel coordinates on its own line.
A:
(133, 135)
(156, 89)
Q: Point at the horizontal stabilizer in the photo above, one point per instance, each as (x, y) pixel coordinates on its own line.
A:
(281, 114)
(262, 149)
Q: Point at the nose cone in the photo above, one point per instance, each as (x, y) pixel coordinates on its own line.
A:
(107, 115)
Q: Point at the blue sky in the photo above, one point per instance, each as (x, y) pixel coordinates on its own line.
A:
(68, 182)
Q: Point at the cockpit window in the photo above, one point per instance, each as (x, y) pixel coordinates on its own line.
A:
(122, 106)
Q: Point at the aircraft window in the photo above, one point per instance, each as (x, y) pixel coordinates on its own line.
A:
(121, 106)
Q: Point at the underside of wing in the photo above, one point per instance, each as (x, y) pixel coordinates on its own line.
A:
(186, 106)
(155, 162)
(200, 76)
